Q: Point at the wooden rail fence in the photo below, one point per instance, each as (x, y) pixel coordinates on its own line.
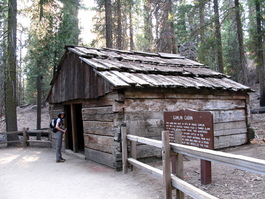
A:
(26, 132)
(171, 149)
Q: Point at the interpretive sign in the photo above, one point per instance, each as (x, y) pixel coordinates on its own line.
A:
(196, 127)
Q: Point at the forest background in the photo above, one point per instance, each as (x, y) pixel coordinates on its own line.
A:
(227, 35)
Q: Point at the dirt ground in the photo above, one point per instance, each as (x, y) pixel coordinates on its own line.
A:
(32, 172)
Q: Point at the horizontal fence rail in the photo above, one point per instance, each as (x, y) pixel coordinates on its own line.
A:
(26, 133)
(237, 161)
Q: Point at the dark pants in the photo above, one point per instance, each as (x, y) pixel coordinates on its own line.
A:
(59, 141)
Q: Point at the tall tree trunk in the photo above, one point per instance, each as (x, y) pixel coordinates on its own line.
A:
(148, 34)
(244, 78)
(202, 21)
(167, 41)
(131, 25)
(108, 19)
(260, 58)
(119, 39)
(10, 86)
(218, 37)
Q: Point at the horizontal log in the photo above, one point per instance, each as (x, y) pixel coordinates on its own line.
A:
(185, 94)
(102, 117)
(100, 143)
(229, 115)
(11, 141)
(101, 157)
(11, 132)
(230, 125)
(100, 128)
(39, 131)
(97, 110)
(230, 140)
(230, 132)
(132, 105)
(38, 141)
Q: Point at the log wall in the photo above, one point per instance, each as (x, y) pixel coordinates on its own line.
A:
(102, 119)
(144, 114)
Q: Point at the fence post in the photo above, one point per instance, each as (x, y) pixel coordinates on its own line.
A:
(166, 165)
(124, 150)
(179, 163)
(133, 153)
(25, 137)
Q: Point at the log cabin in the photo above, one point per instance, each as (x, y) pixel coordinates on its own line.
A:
(102, 90)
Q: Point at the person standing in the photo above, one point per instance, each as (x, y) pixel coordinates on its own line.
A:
(59, 137)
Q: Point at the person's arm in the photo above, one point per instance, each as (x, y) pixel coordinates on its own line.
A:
(57, 126)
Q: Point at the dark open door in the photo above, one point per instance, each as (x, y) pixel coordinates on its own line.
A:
(74, 137)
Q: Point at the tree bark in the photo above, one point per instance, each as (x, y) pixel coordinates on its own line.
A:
(218, 37)
(108, 19)
(131, 26)
(259, 50)
(243, 72)
(148, 34)
(167, 42)
(10, 75)
(119, 39)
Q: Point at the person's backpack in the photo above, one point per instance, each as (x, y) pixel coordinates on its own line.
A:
(53, 124)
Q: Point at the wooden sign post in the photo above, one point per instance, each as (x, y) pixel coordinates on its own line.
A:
(197, 130)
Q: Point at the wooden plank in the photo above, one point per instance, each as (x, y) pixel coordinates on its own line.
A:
(176, 182)
(166, 165)
(230, 140)
(94, 64)
(125, 78)
(39, 131)
(230, 131)
(113, 79)
(135, 78)
(154, 171)
(229, 115)
(124, 150)
(151, 142)
(190, 189)
(108, 64)
(11, 132)
(100, 143)
(177, 104)
(101, 157)
(39, 141)
(103, 118)
(237, 161)
(97, 110)
(99, 128)
(230, 125)
(179, 164)
(159, 93)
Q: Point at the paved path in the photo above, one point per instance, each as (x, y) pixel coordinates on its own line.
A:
(28, 173)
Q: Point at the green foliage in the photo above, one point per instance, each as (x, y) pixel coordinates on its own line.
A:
(47, 38)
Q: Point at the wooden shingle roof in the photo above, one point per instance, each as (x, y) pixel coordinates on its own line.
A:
(139, 69)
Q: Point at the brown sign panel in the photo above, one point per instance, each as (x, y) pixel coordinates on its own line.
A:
(196, 127)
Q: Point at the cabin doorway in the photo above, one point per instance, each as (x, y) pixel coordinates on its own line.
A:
(74, 138)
